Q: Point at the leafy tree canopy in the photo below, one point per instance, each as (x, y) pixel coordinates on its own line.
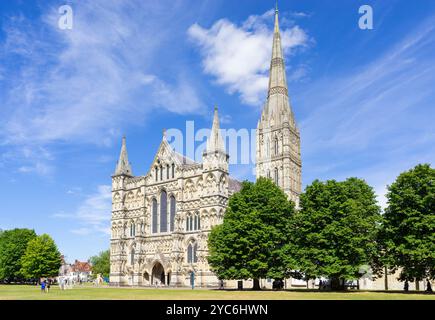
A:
(256, 226)
(41, 258)
(101, 263)
(334, 233)
(408, 231)
(13, 244)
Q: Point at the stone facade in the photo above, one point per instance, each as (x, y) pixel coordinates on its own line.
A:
(161, 221)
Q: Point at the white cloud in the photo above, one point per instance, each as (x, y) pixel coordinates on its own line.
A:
(238, 57)
(82, 85)
(38, 168)
(94, 213)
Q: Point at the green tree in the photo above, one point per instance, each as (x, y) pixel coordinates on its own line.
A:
(101, 263)
(408, 232)
(41, 258)
(256, 226)
(13, 244)
(334, 233)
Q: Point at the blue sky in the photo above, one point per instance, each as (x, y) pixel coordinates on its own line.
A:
(363, 99)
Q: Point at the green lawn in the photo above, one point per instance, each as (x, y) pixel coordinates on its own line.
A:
(89, 293)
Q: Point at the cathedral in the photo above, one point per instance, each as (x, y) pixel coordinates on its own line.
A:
(161, 221)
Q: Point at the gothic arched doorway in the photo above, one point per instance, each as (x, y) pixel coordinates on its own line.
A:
(158, 274)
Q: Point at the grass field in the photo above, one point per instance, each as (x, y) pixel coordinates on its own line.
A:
(20, 292)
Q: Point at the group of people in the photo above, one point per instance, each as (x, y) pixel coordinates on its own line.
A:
(428, 287)
(45, 285)
(66, 282)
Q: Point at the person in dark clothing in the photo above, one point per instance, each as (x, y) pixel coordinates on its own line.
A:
(428, 287)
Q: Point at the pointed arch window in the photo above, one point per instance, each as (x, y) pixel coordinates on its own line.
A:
(276, 149)
(195, 255)
(132, 256)
(195, 222)
(276, 176)
(189, 253)
(163, 212)
(167, 171)
(154, 208)
(187, 223)
(173, 171)
(161, 173)
(268, 148)
(192, 255)
(157, 173)
(172, 215)
(132, 229)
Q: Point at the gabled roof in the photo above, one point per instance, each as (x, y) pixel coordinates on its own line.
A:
(167, 151)
(234, 185)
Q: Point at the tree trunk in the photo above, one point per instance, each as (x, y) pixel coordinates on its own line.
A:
(336, 284)
(256, 285)
(386, 278)
(417, 285)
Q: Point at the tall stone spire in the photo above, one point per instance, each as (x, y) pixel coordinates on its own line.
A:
(278, 140)
(277, 78)
(215, 141)
(123, 166)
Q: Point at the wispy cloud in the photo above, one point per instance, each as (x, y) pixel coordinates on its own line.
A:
(238, 56)
(93, 214)
(376, 120)
(82, 85)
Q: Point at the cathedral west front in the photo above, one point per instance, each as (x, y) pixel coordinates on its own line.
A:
(161, 220)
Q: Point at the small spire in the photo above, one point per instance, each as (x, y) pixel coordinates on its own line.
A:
(164, 134)
(123, 166)
(276, 28)
(215, 141)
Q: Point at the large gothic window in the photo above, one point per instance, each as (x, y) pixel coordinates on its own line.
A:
(192, 256)
(154, 216)
(172, 215)
(195, 256)
(163, 212)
